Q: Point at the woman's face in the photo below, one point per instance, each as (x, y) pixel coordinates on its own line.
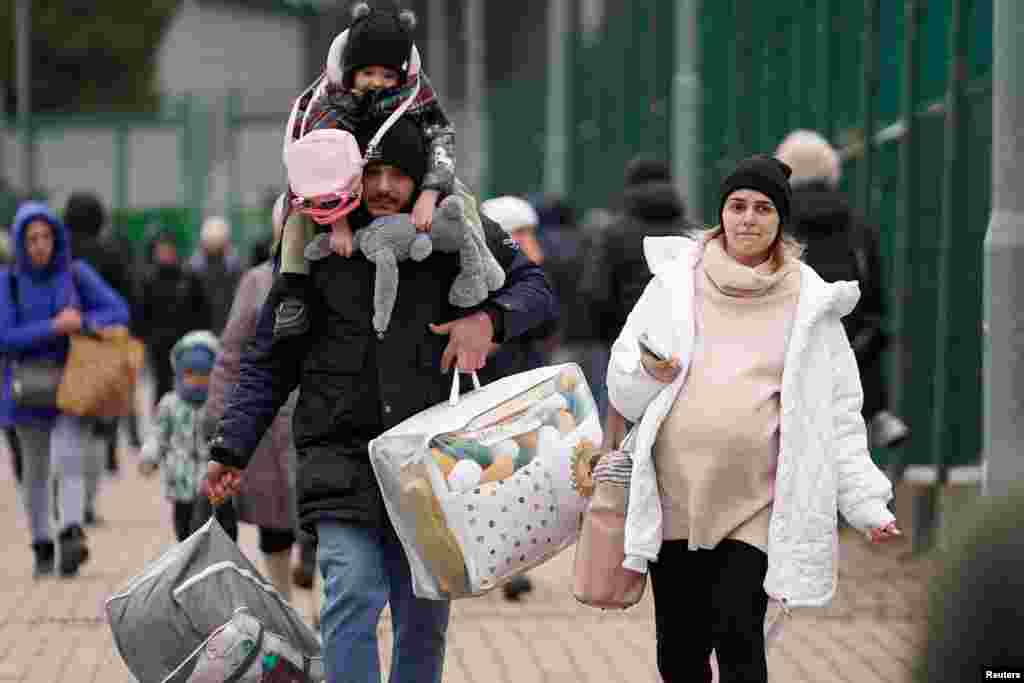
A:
(39, 243)
(751, 225)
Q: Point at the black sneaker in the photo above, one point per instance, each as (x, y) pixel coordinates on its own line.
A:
(44, 553)
(73, 551)
(291, 319)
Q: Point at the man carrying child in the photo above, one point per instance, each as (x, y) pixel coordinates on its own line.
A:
(354, 386)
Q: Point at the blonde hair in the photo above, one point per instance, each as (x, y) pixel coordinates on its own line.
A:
(811, 157)
(786, 247)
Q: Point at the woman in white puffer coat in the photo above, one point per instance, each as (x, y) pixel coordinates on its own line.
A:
(736, 366)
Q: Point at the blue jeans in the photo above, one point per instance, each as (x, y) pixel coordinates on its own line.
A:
(364, 569)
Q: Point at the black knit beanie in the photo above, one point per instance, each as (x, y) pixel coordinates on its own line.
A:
(378, 37)
(765, 174)
(83, 214)
(402, 147)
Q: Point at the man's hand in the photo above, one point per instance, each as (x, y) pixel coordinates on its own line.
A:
(221, 482)
(68, 321)
(469, 342)
(423, 210)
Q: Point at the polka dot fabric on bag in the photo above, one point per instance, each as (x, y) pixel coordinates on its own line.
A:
(512, 525)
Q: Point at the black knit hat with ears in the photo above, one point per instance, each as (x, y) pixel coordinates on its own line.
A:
(765, 174)
(378, 37)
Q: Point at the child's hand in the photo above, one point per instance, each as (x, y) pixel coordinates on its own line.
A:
(341, 238)
(147, 469)
(423, 210)
(885, 533)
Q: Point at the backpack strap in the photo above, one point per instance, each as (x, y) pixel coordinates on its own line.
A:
(13, 287)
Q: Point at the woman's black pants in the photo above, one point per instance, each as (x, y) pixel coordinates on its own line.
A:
(708, 600)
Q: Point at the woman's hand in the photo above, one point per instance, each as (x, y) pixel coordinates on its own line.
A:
(665, 371)
(68, 321)
(885, 533)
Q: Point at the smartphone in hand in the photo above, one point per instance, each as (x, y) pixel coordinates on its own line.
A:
(650, 347)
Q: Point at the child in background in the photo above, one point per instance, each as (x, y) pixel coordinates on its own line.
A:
(372, 70)
(175, 444)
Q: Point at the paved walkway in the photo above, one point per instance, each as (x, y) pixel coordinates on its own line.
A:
(53, 630)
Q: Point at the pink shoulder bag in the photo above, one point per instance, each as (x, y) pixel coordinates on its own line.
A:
(599, 580)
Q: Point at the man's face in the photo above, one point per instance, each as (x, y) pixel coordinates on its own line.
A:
(387, 190)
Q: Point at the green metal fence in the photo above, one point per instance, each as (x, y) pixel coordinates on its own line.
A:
(769, 68)
(912, 77)
(116, 154)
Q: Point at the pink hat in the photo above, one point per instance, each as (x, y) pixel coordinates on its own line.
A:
(325, 172)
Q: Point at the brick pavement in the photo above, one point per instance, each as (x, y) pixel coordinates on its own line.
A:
(53, 630)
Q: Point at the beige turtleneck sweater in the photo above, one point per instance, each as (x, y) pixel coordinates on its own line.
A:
(717, 449)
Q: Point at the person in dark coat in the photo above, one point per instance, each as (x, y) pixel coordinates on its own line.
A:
(617, 273)
(841, 246)
(219, 269)
(352, 387)
(170, 302)
(519, 220)
(85, 219)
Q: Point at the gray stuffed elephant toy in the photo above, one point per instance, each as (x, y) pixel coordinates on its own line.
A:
(391, 239)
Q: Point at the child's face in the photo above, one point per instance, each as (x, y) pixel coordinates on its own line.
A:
(191, 378)
(374, 78)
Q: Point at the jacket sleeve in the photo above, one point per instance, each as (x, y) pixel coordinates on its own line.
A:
(630, 388)
(596, 284)
(439, 134)
(865, 326)
(154, 449)
(527, 301)
(864, 491)
(241, 324)
(199, 302)
(101, 305)
(25, 337)
(267, 374)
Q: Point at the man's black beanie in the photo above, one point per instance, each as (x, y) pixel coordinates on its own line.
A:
(765, 174)
(402, 146)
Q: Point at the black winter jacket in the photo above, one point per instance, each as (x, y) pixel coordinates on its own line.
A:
(616, 273)
(354, 386)
(840, 246)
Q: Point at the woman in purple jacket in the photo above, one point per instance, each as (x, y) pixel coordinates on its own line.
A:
(268, 495)
(44, 298)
